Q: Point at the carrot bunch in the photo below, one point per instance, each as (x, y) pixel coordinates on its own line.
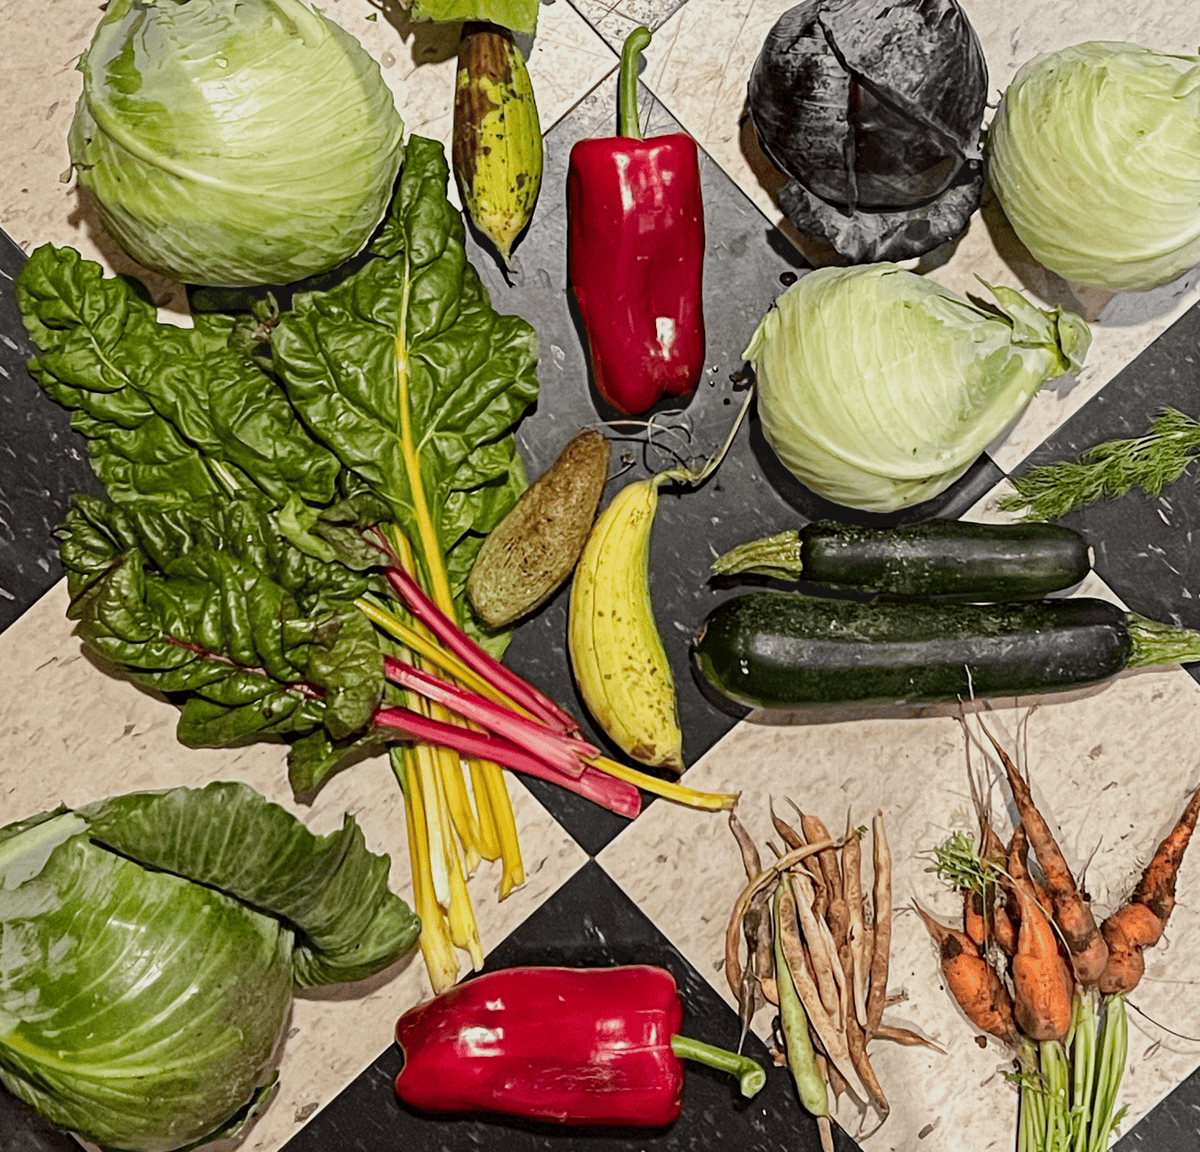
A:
(818, 949)
(1032, 967)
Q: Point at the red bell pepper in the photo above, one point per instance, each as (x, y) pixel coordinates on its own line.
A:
(635, 254)
(567, 1045)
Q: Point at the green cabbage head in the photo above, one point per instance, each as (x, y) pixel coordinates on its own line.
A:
(1094, 154)
(234, 142)
(878, 388)
(149, 945)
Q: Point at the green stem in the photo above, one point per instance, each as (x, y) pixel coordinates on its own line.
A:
(1155, 644)
(750, 1074)
(627, 81)
(1114, 1047)
(1054, 1069)
(693, 477)
(777, 555)
(1083, 1069)
(1030, 1112)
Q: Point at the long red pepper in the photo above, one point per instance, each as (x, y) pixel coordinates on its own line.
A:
(635, 253)
(565, 1045)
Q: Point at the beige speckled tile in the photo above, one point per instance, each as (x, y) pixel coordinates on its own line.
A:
(72, 733)
(698, 65)
(1111, 787)
(41, 86)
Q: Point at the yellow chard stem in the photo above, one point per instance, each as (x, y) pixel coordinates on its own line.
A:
(435, 567)
(439, 582)
(433, 813)
(513, 874)
(668, 789)
(458, 803)
(489, 836)
(440, 959)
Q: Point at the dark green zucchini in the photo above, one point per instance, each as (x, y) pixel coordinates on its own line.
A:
(944, 558)
(784, 650)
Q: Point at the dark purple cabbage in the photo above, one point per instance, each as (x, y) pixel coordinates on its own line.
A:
(873, 108)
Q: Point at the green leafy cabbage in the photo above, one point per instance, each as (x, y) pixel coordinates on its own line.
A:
(1094, 154)
(234, 142)
(149, 945)
(878, 388)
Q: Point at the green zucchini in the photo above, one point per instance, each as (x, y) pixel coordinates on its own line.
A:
(945, 558)
(783, 650)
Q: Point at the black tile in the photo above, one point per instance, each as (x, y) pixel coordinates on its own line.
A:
(23, 1130)
(42, 461)
(588, 922)
(742, 278)
(613, 20)
(1171, 1126)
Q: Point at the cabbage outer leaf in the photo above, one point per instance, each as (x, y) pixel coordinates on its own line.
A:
(878, 388)
(234, 142)
(1094, 154)
(330, 890)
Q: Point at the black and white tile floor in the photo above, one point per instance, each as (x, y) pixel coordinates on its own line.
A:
(1113, 764)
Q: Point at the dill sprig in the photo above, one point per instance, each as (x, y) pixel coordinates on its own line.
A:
(1109, 470)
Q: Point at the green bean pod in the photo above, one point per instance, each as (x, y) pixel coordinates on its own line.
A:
(801, 1058)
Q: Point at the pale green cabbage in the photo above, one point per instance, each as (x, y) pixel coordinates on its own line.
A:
(149, 945)
(878, 388)
(1094, 154)
(234, 142)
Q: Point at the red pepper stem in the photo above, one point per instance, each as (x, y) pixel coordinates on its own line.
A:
(750, 1074)
(627, 82)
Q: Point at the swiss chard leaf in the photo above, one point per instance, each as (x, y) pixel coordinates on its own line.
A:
(331, 890)
(171, 413)
(213, 602)
(410, 351)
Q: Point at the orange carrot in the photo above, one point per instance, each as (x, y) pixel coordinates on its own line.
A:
(1000, 924)
(1156, 888)
(1141, 922)
(975, 918)
(1004, 930)
(1043, 988)
(1072, 913)
(972, 981)
(1017, 856)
